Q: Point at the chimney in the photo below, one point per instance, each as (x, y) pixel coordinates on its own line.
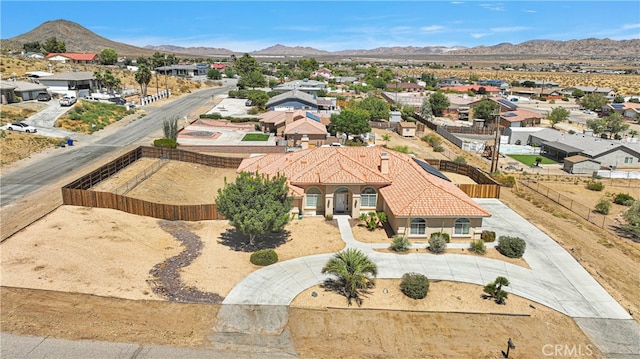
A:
(288, 117)
(304, 142)
(384, 163)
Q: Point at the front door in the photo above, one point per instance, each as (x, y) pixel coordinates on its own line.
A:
(341, 202)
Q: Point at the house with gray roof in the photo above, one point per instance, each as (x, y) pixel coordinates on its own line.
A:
(184, 70)
(78, 84)
(28, 90)
(293, 100)
(6, 92)
(310, 87)
(604, 91)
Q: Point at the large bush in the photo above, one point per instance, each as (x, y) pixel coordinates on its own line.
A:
(400, 243)
(488, 236)
(624, 199)
(512, 247)
(444, 236)
(595, 186)
(165, 143)
(264, 257)
(478, 247)
(603, 206)
(437, 244)
(414, 285)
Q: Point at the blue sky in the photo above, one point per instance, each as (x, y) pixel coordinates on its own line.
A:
(331, 25)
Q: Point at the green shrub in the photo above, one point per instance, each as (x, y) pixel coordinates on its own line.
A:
(213, 116)
(400, 243)
(437, 244)
(624, 199)
(603, 206)
(478, 246)
(460, 159)
(488, 236)
(414, 285)
(512, 247)
(595, 186)
(328, 217)
(444, 236)
(165, 143)
(264, 257)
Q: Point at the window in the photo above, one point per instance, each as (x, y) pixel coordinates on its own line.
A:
(418, 226)
(628, 160)
(312, 198)
(462, 226)
(368, 197)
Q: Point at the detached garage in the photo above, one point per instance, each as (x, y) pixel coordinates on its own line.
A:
(580, 165)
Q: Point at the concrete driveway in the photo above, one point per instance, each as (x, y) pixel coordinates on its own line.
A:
(45, 119)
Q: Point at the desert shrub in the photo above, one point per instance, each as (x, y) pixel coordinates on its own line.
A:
(328, 217)
(595, 186)
(504, 179)
(253, 111)
(400, 243)
(373, 220)
(437, 244)
(624, 199)
(444, 236)
(460, 159)
(488, 236)
(512, 247)
(165, 143)
(414, 285)
(478, 246)
(264, 257)
(213, 116)
(603, 206)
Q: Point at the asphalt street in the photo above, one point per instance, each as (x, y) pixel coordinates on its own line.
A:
(22, 181)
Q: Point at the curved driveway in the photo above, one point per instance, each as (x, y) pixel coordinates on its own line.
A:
(555, 279)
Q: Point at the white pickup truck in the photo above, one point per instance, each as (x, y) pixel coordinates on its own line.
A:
(67, 101)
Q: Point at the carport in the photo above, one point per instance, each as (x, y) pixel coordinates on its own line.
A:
(558, 150)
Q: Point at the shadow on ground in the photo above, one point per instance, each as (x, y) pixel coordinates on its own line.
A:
(237, 241)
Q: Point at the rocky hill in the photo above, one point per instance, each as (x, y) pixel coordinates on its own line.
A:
(80, 39)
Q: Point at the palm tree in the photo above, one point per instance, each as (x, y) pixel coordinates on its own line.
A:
(494, 289)
(355, 272)
(143, 77)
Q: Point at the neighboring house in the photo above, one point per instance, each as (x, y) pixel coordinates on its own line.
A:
(37, 74)
(28, 90)
(580, 165)
(34, 55)
(324, 72)
(450, 81)
(489, 90)
(310, 87)
(535, 92)
(459, 106)
(78, 84)
(520, 118)
(327, 103)
(539, 84)
(276, 121)
(395, 116)
(406, 129)
(604, 91)
(293, 100)
(314, 131)
(184, 70)
(504, 106)
(345, 79)
(219, 67)
(417, 199)
(73, 57)
(6, 92)
(495, 83)
(405, 87)
(628, 110)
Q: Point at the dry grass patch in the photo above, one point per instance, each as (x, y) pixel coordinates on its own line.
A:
(15, 146)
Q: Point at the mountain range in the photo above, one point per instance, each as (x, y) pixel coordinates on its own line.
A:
(80, 39)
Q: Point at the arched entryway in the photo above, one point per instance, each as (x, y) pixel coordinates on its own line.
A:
(341, 200)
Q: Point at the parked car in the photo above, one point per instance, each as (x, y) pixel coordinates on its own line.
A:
(21, 127)
(67, 101)
(118, 101)
(43, 96)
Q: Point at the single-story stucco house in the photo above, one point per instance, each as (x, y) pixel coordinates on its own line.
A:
(417, 199)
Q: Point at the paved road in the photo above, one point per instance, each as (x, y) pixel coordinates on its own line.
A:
(20, 182)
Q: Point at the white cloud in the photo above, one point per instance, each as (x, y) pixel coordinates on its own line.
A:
(630, 26)
(431, 28)
(509, 29)
(457, 2)
(478, 35)
(530, 11)
(494, 7)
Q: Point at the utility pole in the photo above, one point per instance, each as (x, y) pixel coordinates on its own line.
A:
(166, 81)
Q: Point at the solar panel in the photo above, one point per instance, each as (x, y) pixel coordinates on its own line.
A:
(507, 103)
(312, 116)
(431, 170)
(509, 114)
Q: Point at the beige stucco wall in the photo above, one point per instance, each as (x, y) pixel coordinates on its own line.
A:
(435, 225)
(353, 204)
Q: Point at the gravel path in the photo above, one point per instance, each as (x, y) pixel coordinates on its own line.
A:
(166, 279)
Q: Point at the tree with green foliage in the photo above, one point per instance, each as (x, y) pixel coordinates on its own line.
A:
(414, 285)
(309, 65)
(486, 110)
(425, 111)
(355, 271)
(255, 204)
(612, 124)
(429, 79)
(142, 61)
(618, 99)
(439, 103)
(634, 100)
(632, 218)
(495, 291)
(214, 74)
(593, 101)
(229, 73)
(378, 109)
(32, 46)
(559, 114)
(246, 65)
(597, 125)
(143, 77)
(258, 98)
(350, 121)
(53, 45)
(111, 82)
(577, 93)
(108, 57)
(378, 83)
(253, 79)
(170, 128)
(407, 112)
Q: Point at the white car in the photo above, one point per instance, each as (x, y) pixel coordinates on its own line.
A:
(67, 101)
(21, 127)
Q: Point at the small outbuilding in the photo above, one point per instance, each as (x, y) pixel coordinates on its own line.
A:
(580, 165)
(406, 129)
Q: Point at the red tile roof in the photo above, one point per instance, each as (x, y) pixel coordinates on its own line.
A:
(475, 88)
(305, 126)
(73, 55)
(519, 115)
(407, 189)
